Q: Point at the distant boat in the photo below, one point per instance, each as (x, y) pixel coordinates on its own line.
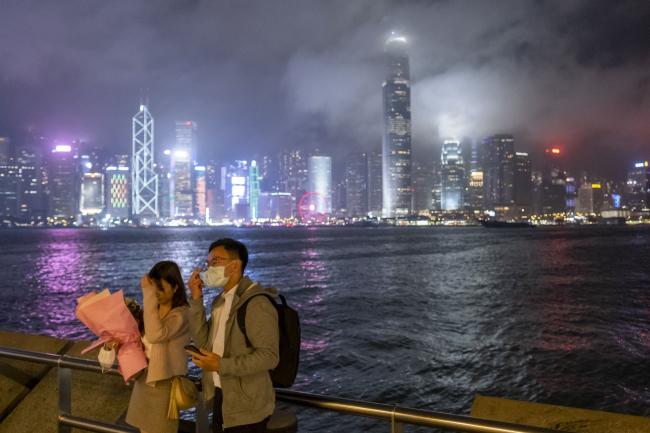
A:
(506, 224)
(364, 223)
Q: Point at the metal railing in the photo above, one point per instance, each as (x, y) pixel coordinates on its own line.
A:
(396, 415)
(65, 364)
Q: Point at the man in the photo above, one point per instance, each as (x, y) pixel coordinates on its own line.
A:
(235, 375)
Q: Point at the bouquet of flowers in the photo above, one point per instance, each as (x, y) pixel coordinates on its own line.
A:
(109, 318)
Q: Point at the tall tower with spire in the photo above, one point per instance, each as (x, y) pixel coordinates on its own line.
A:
(396, 147)
(144, 195)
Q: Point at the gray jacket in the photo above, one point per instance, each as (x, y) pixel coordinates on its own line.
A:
(248, 395)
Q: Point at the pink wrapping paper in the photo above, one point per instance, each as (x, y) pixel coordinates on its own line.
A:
(110, 319)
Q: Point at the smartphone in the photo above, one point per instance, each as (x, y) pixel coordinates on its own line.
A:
(193, 348)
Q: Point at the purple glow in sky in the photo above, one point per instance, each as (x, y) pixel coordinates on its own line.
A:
(262, 76)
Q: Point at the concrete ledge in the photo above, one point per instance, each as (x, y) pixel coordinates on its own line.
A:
(32, 406)
(557, 417)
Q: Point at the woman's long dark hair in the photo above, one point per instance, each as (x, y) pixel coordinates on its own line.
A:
(170, 272)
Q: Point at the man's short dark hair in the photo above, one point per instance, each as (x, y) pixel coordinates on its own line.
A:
(233, 247)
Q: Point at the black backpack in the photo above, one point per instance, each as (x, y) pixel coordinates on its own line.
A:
(284, 374)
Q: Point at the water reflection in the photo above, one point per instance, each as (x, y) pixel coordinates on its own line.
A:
(316, 283)
(562, 303)
(62, 273)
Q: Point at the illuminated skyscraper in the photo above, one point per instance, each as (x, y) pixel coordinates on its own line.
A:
(585, 202)
(356, 184)
(237, 190)
(396, 149)
(118, 191)
(453, 176)
(422, 186)
(320, 183)
(200, 192)
(92, 193)
(293, 172)
(63, 181)
(181, 184)
(475, 189)
(637, 188)
(215, 191)
(554, 176)
(375, 184)
(32, 201)
(186, 137)
(499, 171)
(144, 179)
(523, 180)
(275, 205)
(254, 189)
(182, 172)
(9, 180)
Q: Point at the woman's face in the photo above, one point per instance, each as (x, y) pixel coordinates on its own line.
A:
(166, 294)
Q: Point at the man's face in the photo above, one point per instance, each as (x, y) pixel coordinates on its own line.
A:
(220, 257)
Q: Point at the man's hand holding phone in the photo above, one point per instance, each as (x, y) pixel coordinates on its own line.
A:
(205, 360)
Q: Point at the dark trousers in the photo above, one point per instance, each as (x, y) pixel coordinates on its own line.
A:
(217, 419)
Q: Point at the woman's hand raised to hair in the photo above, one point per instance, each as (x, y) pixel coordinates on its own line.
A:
(147, 283)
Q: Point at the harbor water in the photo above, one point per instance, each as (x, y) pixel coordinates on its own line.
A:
(421, 317)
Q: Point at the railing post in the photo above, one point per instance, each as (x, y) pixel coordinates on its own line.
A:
(201, 423)
(395, 427)
(65, 397)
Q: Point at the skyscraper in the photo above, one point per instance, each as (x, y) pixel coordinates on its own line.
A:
(237, 190)
(320, 183)
(375, 184)
(396, 149)
(453, 176)
(9, 180)
(182, 194)
(637, 191)
(356, 184)
(523, 181)
(215, 189)
(144, 179)
(553, 182)
(498, 171)
(118, 181)
(183, 180)
(92, 193)
(422, 187)
(293, 172)
(475, 189)
(200, 192)
(253, 190)
(186, 137)
(63, 181)
(33, 178)
(585, 202)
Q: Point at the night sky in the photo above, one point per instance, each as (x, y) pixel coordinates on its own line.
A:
(259, 76)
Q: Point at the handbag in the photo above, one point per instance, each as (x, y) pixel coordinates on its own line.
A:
(183, 395)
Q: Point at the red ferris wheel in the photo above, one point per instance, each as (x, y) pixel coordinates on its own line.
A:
(311, 207)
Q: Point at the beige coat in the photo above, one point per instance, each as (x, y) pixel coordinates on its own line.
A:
(167, 336)
(248, 395)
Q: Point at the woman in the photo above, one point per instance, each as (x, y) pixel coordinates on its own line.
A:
(166, 332)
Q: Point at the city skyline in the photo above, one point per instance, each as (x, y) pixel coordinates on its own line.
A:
(536, 70)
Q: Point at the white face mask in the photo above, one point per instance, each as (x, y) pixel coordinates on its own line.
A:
(214, 277)
(106, 358)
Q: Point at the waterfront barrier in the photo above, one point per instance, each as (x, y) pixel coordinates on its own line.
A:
(36, 390)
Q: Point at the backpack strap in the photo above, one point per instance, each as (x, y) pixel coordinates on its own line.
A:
(241, 314)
